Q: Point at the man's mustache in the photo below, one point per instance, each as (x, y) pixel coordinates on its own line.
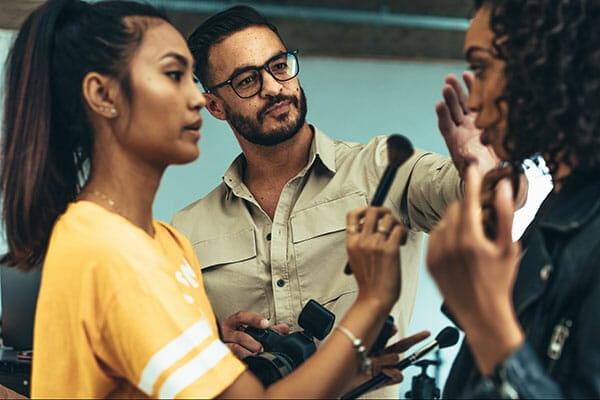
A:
(274, 100)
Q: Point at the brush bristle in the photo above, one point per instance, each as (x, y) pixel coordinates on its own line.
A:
(399, 149)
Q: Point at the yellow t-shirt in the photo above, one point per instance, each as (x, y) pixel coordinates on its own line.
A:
(122, 314)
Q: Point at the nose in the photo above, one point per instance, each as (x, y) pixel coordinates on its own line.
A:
(474, 98)
(270, 85)
(197, 100)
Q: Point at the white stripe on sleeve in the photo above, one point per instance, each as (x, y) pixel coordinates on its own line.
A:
(193, 370)
(171, 353)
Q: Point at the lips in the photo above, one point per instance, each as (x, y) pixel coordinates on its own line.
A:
(278, 108)
(195, 126)
(277, 105)
(193, 130)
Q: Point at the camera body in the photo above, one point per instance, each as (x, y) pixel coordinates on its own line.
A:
(284, 353)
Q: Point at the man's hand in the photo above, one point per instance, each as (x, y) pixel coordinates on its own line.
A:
(388, 358)
(391, 356)
(457, 125)
(240, 343)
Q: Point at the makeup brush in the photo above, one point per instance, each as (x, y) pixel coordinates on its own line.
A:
(399, 149)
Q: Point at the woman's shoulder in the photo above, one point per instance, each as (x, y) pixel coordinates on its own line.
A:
(86, 231)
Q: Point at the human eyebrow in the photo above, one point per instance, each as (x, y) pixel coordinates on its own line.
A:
(180, 58)
(239, 70)
(475, 49)
(244, 68)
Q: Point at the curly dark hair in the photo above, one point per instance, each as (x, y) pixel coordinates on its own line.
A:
(552, 54)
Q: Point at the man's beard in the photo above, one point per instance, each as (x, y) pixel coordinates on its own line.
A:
(251, 129)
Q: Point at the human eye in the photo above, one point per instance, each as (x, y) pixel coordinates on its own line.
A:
(478, 68)
(279, 65)
(174, 75)
(246, 79)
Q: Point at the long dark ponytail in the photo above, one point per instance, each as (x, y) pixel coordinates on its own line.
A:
(47, 140)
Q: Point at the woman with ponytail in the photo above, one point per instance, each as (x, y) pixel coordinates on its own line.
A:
(100, 100)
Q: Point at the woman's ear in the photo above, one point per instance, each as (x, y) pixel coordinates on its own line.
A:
(99, 92)
(214, 106)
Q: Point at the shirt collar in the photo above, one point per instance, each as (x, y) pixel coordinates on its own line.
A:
(322, 148)
(234, 175)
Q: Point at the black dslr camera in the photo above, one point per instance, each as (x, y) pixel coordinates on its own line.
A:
(284, 353)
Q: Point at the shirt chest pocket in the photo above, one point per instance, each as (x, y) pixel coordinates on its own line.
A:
(233, 278)
(319, 246)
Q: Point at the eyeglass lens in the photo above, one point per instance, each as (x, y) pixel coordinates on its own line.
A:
(282, 68)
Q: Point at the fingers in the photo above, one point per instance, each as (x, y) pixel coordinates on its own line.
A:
(471, 205)
(240, 351)
(492, 177)
(504, 205)
(354, 220)
(451, 97)
(488, 194)
(385, 363)
(368, 220)
(373, 254)
(245, 318)
(445, 122)
(394, 375)
(240, 343)
(468, 78)
(384, 360)
(406, 343)
(371, 219)
(385, 224)
(453, 81)
(283, 329)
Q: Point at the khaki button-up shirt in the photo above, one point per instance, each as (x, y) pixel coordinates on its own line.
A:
(272, 268)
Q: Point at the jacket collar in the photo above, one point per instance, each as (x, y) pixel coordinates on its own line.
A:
(573, 206)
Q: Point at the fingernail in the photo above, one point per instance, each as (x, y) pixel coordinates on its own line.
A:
(264, 323)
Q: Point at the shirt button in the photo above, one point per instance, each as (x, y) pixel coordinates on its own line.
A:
(545, 272)
(269, 236)
(280, 283)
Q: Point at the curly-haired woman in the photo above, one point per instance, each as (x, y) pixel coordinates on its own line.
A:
(530, 310)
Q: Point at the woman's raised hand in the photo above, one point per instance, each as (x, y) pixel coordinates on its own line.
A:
(373, 242)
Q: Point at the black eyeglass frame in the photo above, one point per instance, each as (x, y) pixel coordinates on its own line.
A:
(265, 66)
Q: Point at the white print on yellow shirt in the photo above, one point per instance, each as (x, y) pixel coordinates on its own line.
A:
(186, 276)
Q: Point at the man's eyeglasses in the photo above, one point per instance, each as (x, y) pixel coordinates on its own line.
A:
(249, 81)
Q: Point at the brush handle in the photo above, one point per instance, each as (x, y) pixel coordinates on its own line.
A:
(384, 185)
(366, 387)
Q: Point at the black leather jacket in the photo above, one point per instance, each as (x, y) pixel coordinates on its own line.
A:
(557, 299)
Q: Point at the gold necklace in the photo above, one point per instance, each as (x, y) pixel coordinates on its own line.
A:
(116, 208)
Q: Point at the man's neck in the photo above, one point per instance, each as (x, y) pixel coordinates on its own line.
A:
(280, 162)
(269, 168)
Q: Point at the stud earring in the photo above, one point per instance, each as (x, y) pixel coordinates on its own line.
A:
(113, 112)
